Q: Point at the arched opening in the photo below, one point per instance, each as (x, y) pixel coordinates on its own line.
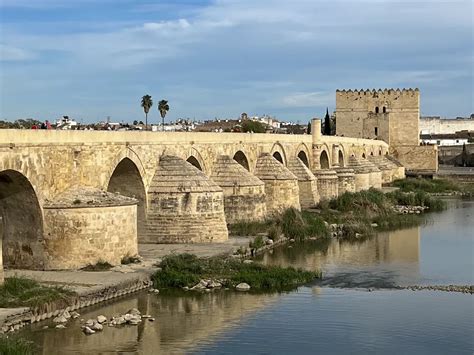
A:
(127, 181)
(363, 155)
(278, 157)
(324, 160)
(341, 159)
(240, 158)
(380, 151)
(194, 162)
(304, 158)
(376, 109)
(21, 222)
(372, 153)
(384, 109)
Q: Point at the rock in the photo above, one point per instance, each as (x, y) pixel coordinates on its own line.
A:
(60, 326)
(269, 242)
(89, 323)
(75, 315)
(151, 319)
(358, 235)
(292, 240)
(186, 288)
(45, 327)
(248, 261)
(60, 319)
(146, 316)
(88, 331)
(326, 224)
(134, 311)
(201, 285)
(333, 227)
(97, 326)
(375, 225)
(214, 284)
(119, 320)
(242, 287)
(101, 319)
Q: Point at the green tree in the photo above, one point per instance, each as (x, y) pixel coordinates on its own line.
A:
(147, 103)
(163, 107)
(308, 130)
(327, 124)
(253, 126)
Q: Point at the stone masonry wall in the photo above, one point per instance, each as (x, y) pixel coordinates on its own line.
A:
(77, 237)
(417, 158)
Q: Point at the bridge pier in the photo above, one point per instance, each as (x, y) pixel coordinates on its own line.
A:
(307, 183)
(84, 226)
(362, 173)
(244, 194)
(281, 185)
(184, 205)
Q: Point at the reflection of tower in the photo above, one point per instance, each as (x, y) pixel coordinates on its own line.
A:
(404, 245)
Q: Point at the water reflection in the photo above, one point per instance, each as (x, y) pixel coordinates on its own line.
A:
(387, 260)
(181, 322)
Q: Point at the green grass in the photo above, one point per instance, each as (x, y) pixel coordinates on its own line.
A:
(23, 292)
(426, 185)
(15, 346)
(293, 224)
(182, 270)
(418, 198)
(100, 266)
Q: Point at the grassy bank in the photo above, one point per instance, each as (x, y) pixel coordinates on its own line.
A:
(426, 185)
(186, 270)
(291, 224)
(22, 292)
(15, 346)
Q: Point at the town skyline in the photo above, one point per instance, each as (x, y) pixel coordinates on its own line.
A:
(219, 59)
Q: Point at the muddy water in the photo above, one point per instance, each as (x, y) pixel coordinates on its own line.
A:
(335, 315)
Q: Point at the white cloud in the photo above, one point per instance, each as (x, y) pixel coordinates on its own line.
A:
(308, 99)
(13, 54)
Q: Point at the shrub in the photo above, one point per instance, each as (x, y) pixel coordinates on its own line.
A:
(430, 186)
(99, 266)
(257, 243)
(15, 346)
(274, 233)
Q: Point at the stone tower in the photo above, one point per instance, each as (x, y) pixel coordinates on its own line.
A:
(391, 115)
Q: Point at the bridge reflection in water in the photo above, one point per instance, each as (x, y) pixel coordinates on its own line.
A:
(387, 260)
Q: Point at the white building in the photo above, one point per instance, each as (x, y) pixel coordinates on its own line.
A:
(438, 125)
(65, 122)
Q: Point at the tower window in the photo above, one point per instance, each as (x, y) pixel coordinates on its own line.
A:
(376, 109)
(384, 109)
(376, 131)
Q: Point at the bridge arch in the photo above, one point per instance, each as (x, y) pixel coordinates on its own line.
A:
(195, 158)
(279, 153)
(130, 155)
(302, 152)
(127, 181)
(340, 158)
(22, 222)
(324, 160)
(241, 158)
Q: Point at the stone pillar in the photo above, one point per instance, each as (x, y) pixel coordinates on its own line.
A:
(316, 130)
(335, 156)
(327, 184)
(346, 180)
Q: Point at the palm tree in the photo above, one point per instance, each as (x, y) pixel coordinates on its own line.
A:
(147, 103)
(163, 107)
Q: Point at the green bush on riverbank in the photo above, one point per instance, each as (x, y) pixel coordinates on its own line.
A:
(15, 346)
(426, 185)
(182, 270)
(23, 292)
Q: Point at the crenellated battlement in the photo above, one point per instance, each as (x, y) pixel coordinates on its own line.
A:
(378, 92)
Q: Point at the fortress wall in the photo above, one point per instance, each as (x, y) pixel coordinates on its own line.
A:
(417, 158)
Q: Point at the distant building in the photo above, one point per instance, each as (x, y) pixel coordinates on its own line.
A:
(438, 125)
(65, 122)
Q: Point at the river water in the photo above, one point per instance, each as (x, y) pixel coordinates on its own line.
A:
(354, 309)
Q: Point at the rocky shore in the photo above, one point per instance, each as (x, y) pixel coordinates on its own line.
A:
(446, 288)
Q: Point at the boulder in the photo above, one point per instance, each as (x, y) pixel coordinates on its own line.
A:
(88, 331)
(242, 286)
(101, 319)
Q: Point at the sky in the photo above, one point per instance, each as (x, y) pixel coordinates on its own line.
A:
(90, 59)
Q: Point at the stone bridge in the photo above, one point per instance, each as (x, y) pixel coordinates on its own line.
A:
(71, 198)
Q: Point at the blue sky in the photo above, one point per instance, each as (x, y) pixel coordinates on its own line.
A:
(96, 58)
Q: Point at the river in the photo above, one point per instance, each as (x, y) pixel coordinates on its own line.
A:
(356, 308)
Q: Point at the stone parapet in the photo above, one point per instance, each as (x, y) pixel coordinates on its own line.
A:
(380, 162)
(281, 185)
(185, 206)
(244, 193)
(328, 183)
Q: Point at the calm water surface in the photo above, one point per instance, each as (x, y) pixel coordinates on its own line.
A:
(335, 315)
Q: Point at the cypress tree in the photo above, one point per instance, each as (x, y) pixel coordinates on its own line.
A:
(327, 124)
